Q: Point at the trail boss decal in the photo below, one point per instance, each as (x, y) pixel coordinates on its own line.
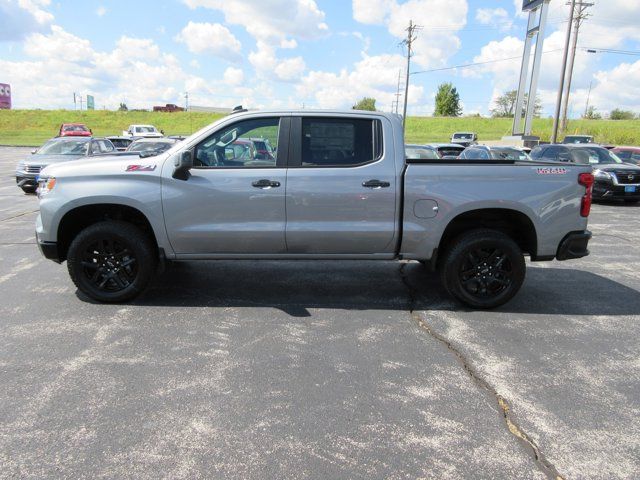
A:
(552, 171)
(141, 168)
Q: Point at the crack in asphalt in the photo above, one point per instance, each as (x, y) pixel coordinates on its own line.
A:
(507, 413)
(19, 215)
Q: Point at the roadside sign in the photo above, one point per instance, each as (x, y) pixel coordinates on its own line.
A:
(5, 96)
(91, 105)
(530, 4)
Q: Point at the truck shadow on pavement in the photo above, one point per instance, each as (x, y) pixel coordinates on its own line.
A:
(297, 286)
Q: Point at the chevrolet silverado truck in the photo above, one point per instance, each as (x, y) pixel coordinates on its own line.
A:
(338, 186)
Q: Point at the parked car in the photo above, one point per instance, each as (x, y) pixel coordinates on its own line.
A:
(614, 179)
(421, 152)
(484, 152)
(151, 146)
(628, 154)
(340, 187)
(464, 138)
(142, 131)
(569, 139)
(74, 130)
(56, 150)
(121, 143)
(447, 151)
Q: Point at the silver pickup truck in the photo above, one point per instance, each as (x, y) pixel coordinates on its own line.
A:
(310, 185)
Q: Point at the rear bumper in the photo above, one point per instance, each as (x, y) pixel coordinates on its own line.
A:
(574, 245)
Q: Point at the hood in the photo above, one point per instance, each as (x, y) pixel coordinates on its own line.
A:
(44, 160)
(619, 167)
(106, 165)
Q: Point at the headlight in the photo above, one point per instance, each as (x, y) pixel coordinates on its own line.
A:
(45, 185)
(602, 175)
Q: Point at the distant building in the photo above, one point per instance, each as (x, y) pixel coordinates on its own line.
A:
(5, 96)
(169, 107)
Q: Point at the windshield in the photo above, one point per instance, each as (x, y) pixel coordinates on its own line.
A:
(595, 156)
(463, 136)
(146, 129)
(67, 147)
(421, 153)
(578, 139)
(509, 154)
(150, 147)
(75, 128)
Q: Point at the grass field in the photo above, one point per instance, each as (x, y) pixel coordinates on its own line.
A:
(33, 127)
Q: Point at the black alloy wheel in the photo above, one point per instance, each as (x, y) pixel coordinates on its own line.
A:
(483, 268)
(112, 261)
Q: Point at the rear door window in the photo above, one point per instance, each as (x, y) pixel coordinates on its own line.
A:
(340, 142)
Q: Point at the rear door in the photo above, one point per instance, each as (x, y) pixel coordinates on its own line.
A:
(232, 202)
(341, 186)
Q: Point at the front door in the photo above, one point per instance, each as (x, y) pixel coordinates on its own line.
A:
(234, 199)
(341, 186)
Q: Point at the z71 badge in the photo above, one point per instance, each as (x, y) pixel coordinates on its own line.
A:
(552, 171)
(141, 168)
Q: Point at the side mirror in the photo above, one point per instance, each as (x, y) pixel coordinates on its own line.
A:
(162, 132)
(183, 162)
(91, 131)
(34, 151)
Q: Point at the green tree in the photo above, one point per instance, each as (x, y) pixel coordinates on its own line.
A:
(366, 103)
(505, 105)
(123, 107)
(592, 114)
(447, 101)
(619, 114)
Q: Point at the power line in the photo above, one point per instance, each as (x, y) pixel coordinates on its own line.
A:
(466, 65)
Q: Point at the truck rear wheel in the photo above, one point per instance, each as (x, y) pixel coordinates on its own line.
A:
(111, 261)
(483, 269)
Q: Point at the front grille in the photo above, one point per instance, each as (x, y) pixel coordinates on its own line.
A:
(628, 177)
(32, 168)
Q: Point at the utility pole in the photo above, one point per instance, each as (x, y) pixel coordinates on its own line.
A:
(586, 108)
(186, 101)
(411, 37)
(556, 117)
(577, 19)
(398, 94)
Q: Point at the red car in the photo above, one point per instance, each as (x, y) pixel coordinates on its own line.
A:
(628, 154)
(74, 130)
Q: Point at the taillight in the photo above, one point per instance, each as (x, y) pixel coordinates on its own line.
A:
(586, 180)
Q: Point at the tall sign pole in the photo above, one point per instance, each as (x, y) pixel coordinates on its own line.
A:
(565, 57)
(525, 101)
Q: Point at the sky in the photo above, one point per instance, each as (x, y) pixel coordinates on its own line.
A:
(305, 53)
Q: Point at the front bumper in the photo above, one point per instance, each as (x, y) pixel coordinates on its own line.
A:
(609, 191)
(49, 250)
(574, 245)
(26, 180)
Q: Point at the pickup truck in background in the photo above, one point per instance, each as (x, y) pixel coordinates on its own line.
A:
(338, 187)
(142, 131)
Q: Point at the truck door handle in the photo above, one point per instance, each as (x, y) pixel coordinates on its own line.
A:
(264, 184)
(375, 184)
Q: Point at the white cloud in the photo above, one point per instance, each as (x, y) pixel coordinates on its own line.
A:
(290, 69)
(210, 38)
(19, 18)
(497, 17)
(233, 76)
(373, 76)
(58, 44)
(440, 21)
(614, 90)
(271, 21)
(101, 11)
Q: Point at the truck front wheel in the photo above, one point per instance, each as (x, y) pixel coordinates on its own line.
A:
(111, 261)
(483, 269)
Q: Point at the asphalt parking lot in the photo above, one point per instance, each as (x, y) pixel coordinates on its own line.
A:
(319, 369)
